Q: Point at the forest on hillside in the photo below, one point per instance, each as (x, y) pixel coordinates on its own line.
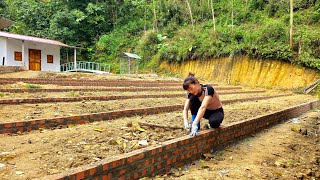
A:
(173, 30)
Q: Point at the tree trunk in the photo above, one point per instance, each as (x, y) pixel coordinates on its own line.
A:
(291, 22)
(155, 24)
(190, 12)
(145, 17)
(213, 20)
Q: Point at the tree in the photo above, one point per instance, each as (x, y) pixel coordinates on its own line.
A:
(155, 20)
(291, 22)
(190, 13)
(213, 20)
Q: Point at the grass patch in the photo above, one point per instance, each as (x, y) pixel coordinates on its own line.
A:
(32, 86)
(74, 94)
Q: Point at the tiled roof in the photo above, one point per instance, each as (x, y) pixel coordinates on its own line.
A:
(31, 38)
(4, 23)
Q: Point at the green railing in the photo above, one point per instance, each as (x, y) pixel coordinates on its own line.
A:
(85, 66)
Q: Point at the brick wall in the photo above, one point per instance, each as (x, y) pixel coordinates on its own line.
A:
(126, 89)
(151, 161)
(102, 98)
(83, 82)
(72, 99)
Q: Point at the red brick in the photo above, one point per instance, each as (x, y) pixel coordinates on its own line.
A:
(106, 177)
(80, 175)
(152, 169)
(121, 178)
(58, 120)
(42, 121)
(122, 171)
(168, 162)
(143, 173)
(136, 175)
(7, 125)
(92, 171)
(41, 127)
(146, 162)
(7, 131)
(80, 122)
(74, 118)
(105, 167)
(33, 122)
(19, 124)
(135, 157)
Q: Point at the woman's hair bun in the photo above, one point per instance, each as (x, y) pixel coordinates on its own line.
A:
(191, 74)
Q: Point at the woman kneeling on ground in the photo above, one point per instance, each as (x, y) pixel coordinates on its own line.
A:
(203, 102)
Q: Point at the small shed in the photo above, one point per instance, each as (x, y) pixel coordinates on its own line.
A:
(129, 63)
(30, 53)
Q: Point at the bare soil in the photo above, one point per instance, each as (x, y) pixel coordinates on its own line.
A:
(276, 153)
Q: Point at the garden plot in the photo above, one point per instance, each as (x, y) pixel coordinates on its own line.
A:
(25, 112)
(40, 153)
(82, 93)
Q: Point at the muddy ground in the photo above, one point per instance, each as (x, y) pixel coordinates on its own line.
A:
(271, 154)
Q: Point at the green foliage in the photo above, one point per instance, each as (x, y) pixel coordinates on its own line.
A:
(2, 94)
(32, 86)
(161, 30)
(73, 94)
(317, 91)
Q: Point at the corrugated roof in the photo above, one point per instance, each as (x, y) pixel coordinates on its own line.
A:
(33, 39)
(5, 23)
(131, 55)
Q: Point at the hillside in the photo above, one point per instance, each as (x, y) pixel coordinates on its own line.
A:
(174, 31)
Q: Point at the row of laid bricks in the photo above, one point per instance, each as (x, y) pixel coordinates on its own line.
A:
(73, 99)
(70, 83)
(84, 80)
(160, 159)
(127, 89)
(62, 122)
(100, 98)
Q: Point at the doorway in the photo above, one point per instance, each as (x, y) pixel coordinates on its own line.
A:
(34, 59)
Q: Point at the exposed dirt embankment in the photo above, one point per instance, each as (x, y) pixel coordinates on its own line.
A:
(245, 71)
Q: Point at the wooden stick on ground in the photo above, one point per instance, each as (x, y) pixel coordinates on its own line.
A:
(159, 125)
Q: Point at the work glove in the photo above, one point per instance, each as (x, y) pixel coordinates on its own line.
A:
(194, 129)
(187, 126)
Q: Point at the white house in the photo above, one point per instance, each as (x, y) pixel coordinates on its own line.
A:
(31, 53)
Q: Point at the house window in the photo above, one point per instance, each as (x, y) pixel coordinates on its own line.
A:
(18, 56)
(49, 58)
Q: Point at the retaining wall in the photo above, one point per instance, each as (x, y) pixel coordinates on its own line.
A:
(126, 89)
(155, 160)
(7, 69)
(100, 98)
(54, 79)
(77, 82)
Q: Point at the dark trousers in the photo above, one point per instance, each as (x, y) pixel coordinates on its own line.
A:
(215, 117)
